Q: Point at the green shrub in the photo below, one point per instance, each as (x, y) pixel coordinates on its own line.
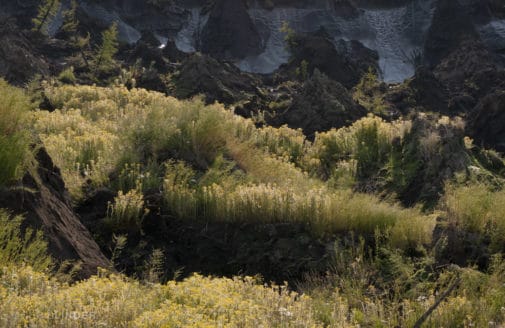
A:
(46, 13)
(366, 145)
(138, 176)
(370, 94)
(67, 76)
(105, 52)
(14, 138)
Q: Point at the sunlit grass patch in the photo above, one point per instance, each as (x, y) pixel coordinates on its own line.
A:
(14, 137)
(476, 208)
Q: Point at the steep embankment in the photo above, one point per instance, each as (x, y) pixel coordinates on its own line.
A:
(42, 199)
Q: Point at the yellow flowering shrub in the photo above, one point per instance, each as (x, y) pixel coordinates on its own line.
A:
(224, 302)
(32, 299)
(82, 149)
(28, 298)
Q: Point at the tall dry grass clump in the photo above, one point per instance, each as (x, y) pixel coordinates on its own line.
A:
(22, 246)
(14, 137)
(476, 208)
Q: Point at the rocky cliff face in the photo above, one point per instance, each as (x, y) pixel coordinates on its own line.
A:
(19, 59)
(247, 32)
(230, 32)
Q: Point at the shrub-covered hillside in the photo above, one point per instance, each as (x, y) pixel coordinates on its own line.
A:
(236, 163)
(206, 163)
(139, 164)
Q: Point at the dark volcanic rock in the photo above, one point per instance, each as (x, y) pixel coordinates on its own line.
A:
(230, 32)
(429, 92)
(453, 245)
(484, 10)
(278, 252)
(43, 200)
(423, 90)
(19, 60)
(342, 8)
(347, 64)
(362, 57)
(470, 62)
(171, 52)
(381, 3)
(22, 11)
(451, 25)
(201, 74)
(320, 105)
(469, 73)
(487, 122)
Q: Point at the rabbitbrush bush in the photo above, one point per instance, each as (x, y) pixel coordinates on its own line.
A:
(30, 298)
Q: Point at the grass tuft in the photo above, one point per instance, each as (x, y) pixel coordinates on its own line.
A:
(14, 138)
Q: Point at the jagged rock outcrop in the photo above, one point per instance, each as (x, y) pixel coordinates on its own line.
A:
(487, 121)
(342, 6)
(424, 90)
(362, 58)
(345, 64)
(230, 32)
(202, 74)
(484, 10)
(451, 26)
(19, 59)
(171, 52)
(42, 199)
(321, 104)
(22, 11)
(279, 252)
(429, 155)
(381, 3)
(470, 69)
